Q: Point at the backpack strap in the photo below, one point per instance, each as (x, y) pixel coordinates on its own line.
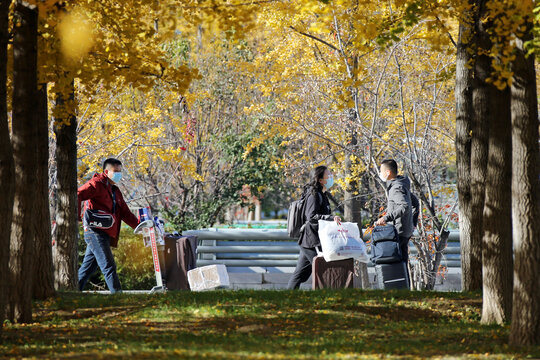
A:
(113, 201)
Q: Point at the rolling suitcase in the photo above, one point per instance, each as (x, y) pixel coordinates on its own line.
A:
(180, 257)
(334, 274)
(392, 276)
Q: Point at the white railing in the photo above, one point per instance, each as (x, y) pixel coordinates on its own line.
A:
(271, 248)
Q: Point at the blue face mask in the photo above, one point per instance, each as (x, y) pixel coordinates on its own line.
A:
(329, 182)
(116, 177)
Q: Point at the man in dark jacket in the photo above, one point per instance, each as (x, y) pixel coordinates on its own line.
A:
(101, 193)
(399, 209)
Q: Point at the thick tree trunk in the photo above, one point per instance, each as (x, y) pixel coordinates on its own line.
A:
(7, 170)
(497, 240)
(24, 151)
(67, 230)
(43, 264)
(525, 203)
(479, 159)
(471, 258)
(479, 155)
(492, 110)
(481, 92)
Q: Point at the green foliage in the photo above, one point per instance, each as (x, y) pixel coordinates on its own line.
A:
(327, 324)
(533, 46)
(177, 51)
(134, 262)
(391, 31)
(277, 198)
(247, 174)
(201, 217)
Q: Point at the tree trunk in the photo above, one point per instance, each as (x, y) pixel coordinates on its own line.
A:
(43, 264)
(353, 212)
(352, 204)
(24, 151)
(471, 257)
(525, 203)
(497, 240)
(492, 110)
(479, 159)
(7, 170)
(67, 227)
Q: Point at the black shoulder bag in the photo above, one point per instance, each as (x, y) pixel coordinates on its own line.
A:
(99, 219)
(385, 247)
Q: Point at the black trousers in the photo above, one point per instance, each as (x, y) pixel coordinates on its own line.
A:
(404, 245)
(303, 267)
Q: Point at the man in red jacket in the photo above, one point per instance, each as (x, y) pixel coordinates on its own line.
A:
(102, 196)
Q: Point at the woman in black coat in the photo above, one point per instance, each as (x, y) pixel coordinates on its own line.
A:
(316, 207)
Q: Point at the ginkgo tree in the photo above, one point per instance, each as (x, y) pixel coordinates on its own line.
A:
(347, 98)
(102, 44)
(106, 45)
(183, 152)
(346, 82)
(97, 44)
(489, 44)
(498, 184)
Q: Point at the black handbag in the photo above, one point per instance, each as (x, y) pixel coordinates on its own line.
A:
(385, 247)
(98, 219)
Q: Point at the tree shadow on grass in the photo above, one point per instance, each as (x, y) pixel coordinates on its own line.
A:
(367, 330)
(246, 324)
(397, 313)
(43, 315)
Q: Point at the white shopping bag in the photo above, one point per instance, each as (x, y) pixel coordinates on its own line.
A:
(340, 242)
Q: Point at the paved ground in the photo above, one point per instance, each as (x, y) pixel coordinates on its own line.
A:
(452, 281)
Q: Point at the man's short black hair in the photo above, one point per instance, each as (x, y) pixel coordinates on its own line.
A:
(112, 162)
(390, 164)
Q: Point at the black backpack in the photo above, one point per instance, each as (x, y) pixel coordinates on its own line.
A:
(295, 217)
(415, 209)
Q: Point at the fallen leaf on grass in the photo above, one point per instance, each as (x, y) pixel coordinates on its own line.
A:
(251, 328)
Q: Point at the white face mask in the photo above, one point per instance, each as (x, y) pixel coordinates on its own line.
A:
(382, 177)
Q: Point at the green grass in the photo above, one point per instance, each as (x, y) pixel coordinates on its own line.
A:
(344, 324)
